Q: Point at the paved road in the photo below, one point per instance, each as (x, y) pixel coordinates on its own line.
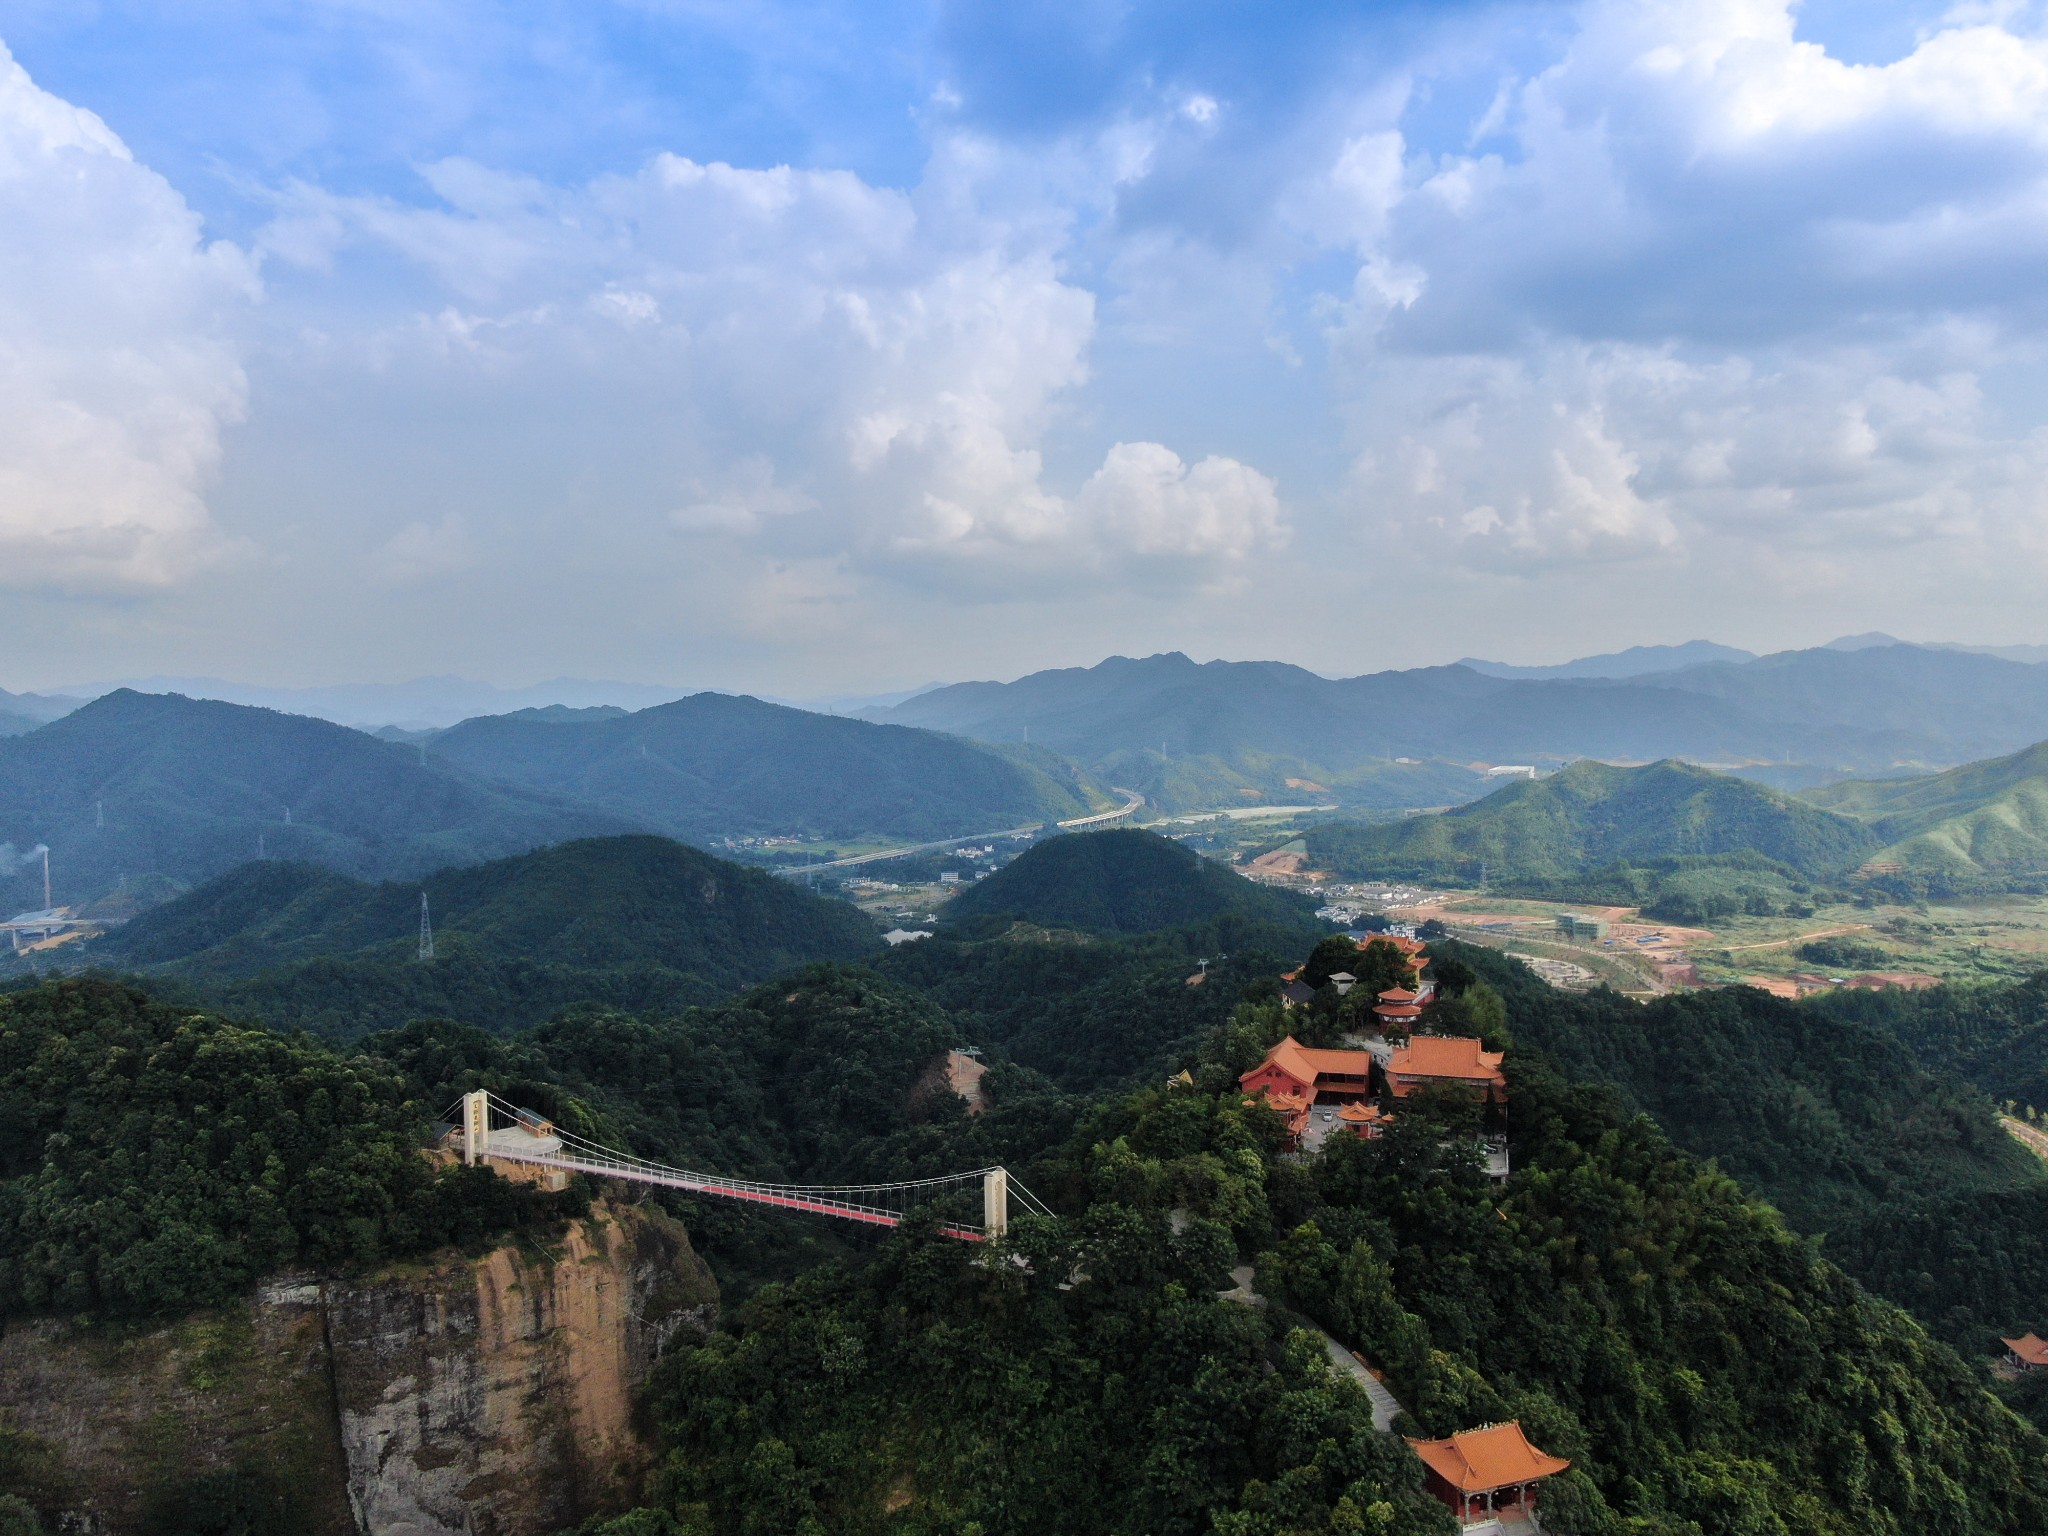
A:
(1384, 1405)
(797, 871)
(1132, 800)
(2034, 1141)
(1131, 804)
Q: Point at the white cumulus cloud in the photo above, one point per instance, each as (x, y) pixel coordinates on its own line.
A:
(116, 379)
(1729, 294)
(827, 368)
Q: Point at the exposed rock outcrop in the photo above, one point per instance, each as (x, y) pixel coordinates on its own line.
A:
(465, 1397)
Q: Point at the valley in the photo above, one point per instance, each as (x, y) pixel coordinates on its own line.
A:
(784, 983)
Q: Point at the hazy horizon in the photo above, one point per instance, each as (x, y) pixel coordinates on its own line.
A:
(818, 351)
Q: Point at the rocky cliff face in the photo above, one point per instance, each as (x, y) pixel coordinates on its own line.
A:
(469, 1397)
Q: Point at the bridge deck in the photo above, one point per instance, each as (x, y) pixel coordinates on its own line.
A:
(792, 1200)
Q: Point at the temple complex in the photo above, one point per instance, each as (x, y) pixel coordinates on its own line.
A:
(1443, 1061)
(2028, 1352)
(1489, 1473)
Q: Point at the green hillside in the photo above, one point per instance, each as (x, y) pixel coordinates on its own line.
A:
(1982, 821)
(1703, 1369)
(1843, 1113)
(1121, 881)
(115, 1199)
(713, 766)
(1098, 1012)
(635, 921)
(137, 784)
(1553, 831)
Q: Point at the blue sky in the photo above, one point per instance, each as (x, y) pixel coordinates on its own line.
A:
(815, 348)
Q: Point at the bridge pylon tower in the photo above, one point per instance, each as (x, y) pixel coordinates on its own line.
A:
(995, 1203)
(476, 1125)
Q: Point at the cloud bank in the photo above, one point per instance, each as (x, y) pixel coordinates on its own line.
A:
(117, 374)
(1614, 322)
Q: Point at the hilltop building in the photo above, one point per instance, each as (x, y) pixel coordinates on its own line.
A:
(1362, 1119)
(1399, 1007)
(1490, 1473)
(1428, 1061)
(2028, 1352)
(1293, 1068)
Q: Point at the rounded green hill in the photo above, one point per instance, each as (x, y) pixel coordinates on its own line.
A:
(1122, 881)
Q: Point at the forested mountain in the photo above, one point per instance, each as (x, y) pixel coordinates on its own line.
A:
(139, 784)
(714, 765)
(1701, 1367)
(1869, 709)
(1636, 661)
(159, 1160)
(23, 712)
(1646, 833)
(1977, 823)
(1818, 1108)
(1993, 1036)
(1122, 880)
(636, 921)
(1099, 1013)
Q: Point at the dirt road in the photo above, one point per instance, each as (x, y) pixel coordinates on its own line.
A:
(2035, 1141)
(1802, 938)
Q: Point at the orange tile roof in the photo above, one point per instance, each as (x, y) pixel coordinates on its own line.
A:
(1397, 995)
(2029, 1347)
(1339, 1063)
(1451, 1056)
(1360, 1113)
(1305, 1065)
(1397, 1011)
(1478, 1460)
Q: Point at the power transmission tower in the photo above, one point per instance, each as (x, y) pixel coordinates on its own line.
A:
(426, 930)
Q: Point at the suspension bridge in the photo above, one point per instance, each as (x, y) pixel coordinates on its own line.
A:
(491, 1130)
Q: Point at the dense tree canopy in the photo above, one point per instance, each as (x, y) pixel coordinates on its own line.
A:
(1124, 880)
(161, 1159)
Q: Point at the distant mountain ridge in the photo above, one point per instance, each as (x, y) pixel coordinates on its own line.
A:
(1982, 821)
(134, 785)
(1866, 710)
(713, 765)
(24, 712)
(1558, 829)
(422, 702)
(1636, 661)
(140, 784)
(635, 921)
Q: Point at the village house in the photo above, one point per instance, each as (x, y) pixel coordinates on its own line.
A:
(1485, 1474)
(1446, 1060)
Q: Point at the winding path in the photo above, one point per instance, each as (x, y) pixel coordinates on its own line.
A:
(1384, 1404)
